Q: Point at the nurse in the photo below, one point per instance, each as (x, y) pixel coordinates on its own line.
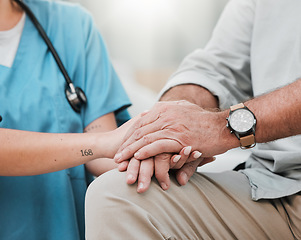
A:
(46, 160)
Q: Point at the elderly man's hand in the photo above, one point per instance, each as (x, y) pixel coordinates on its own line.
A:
(167, 129)
(170, 126)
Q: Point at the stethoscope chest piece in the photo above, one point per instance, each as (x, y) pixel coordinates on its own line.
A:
(76, 97)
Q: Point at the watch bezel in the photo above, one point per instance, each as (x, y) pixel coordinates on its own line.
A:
(242, 133)
(246, 138)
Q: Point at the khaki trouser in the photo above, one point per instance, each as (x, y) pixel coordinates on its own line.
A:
(210, 206)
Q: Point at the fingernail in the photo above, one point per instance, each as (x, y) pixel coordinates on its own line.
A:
(137, 154)
(197, 154)
(187, 150)
(120, 168)
(130, 177)
(184, 177)
(140, 186)
(163, 186)
(117, 157)
(176, 158)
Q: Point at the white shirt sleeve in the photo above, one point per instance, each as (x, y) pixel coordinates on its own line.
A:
(223, 67)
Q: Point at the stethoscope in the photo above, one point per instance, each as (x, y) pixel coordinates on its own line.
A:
(75, 95)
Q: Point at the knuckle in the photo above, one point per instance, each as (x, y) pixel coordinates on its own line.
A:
(179, 127)
(143, 177)
(169, 119)
(159, 175)
(163, 157)
(146, 173)
(146, 139)
(137, 124)
(137, 134)
(127, 151)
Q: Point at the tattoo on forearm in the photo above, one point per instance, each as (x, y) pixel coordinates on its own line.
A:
(93, 128)
(86, 152)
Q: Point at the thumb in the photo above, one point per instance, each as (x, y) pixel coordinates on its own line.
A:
(207, 160)
(185, 173)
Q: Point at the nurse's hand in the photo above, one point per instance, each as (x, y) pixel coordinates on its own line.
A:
(116, 137)
(185, 164)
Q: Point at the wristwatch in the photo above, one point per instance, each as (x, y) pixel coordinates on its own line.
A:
(242, 123)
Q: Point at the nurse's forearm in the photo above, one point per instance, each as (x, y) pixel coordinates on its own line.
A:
(30, 153)
(104, 123)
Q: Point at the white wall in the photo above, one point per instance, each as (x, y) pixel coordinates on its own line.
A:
(147, 39)
(154, 33)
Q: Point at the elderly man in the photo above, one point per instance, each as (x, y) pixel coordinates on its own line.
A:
(250, 72)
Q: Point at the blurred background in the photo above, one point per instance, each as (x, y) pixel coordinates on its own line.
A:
(147, 39)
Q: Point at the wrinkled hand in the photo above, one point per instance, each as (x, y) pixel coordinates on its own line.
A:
(170, 126)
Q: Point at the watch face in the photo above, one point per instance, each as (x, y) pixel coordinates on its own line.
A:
(241, 120)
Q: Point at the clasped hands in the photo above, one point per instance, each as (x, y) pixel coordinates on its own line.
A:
(172, 135)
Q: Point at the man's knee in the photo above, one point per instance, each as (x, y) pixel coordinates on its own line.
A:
(108, 182)
(101, 201)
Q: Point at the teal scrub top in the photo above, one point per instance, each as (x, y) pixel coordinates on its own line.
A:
(32, 98)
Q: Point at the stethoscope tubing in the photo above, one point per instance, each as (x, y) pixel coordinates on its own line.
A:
(75, 95)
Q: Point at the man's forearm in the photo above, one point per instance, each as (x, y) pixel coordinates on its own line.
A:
(278, 113)
(192, 93)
